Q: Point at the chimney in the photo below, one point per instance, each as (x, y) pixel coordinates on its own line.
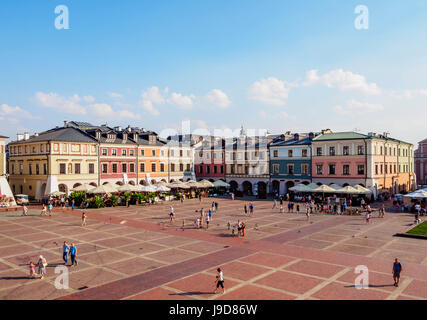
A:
(129, 129)
(311, 135)
(296, 136)
(26, 136)
(19, 136)
(118, 128)
(36, 134)
(135, 136)
(66, 123)
(387, 134)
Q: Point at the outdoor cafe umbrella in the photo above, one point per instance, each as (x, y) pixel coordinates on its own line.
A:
(149, 188)
(106, 188)
(193, 184)
(221, 184)
(56, 193)
(312, 185)
(207, 183)
(419, 194)
(335, 186)
(127, 188)
(162, 189)
(300, 188)
(348, 190)
(362, 190)
(83, 188)
(323, 189)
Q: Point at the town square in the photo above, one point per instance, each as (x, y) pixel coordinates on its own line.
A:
(213, 158)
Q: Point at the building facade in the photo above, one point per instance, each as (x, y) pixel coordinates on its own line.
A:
(290, 162)
(421, 163)
(3, 169)
(181, 161)
(209, 160)
(55, 160)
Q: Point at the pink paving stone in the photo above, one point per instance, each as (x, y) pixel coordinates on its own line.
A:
(135, 266)
(202, 247)
(172, 255)
(34, 236)
(327, 237)
(91, 277)
(339, 291)
(4, 266)
(115, 242)
(316, 244)
(93, 236)
(10, 278)
(103, 257)
(268, 259)
(315, 268)
(417, 288)
(289, 282)
(251, 292)
(15, 250)
(173, 241)
(7, 242)
(35, 289)
(144, 235)
(357, 250)
(21, 231)
(241, 271)
(160, 294)
(376, 280)
(403, 297)
(141, 248)
(200, 284)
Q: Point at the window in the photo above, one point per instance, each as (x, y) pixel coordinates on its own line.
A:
(276, 168)
(123, 152)
(381, 169)
(44, 168)
(360, 150)
(361, 169)
(304, 153)
(172, 153)
(113, 152)
(319, 168)
(77, 168)
(153, 153)
(181, 167)
(30, 169)
(153, 167)
(386, 169)
(131, 153)
(131, 167)
(200, 169)
(62, 168)
(391, 169)
(180, 153)
(394, 168)
(201, 154)
(173, 167)
(332, 169)
(162, 167)
(124, 167)
(104, 168)
(12, 169)
(215, 169)
(114, 167)
(275, 153)
(162, 153)
(376, 169)
(331, 151)
(346, 169)
(21, 168)
(104, 152)
(291, 168)
(142, 152)
(37, 169)
(304, 168)
(188, 153)
(346, 151)
(188, 167)
(319, 151)
(290, 153)
(208, 169)
(221, 169)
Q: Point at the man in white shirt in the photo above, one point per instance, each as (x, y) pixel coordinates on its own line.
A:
(219, 280)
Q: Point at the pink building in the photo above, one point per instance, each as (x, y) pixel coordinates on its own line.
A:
(421, 163)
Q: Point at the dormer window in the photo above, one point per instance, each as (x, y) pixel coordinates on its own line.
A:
(98, 135)
(125, 136)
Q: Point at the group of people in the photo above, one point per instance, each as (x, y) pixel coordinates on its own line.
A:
(69, 250)
(240, 226)
(206, 216)
(249, 209)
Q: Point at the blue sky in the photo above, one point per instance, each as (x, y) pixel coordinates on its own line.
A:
(279, 65)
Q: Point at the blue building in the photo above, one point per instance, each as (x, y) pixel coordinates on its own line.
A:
(290, 161)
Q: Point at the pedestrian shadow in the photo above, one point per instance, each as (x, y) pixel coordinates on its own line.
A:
(191, 293)
(370, 286)
(226, 235)
(15, 278)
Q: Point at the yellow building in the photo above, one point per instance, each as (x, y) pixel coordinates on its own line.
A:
(54, 160)
(3, 155)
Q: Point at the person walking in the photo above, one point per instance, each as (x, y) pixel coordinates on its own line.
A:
(44, 210)
(49, 208)
(307, 212)
(65, 252)
(219, 281)
(207, 222)
(171, 214)
(232, 196)
(84, 218)
(216, 206)
(73, 203)
(42, 264)
(246, 209)
(368, 217)
(274, 204)
(32, 269)
(24, 210)
(251, 209)
(397, 269)
(73, 254)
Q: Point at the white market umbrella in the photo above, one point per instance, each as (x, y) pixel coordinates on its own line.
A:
(300, 188)
(362, 190)
(335, 186)
(221, 184)
(348, 190)
(162, 189)
(419, 194)
(207, 183)
(128, 188)
(83, 188)
(106, 188)
(324, 189)
(312, 185)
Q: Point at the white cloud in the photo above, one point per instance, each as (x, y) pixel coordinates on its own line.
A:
(105, 111)
(183, 102)
(356, 107)
(148, 105)
(270, 91)
(217, 98)
(153, 94)
(409, 94)
(65, 105)
(10, 112)
(115, 95)
(89, 99)
(343, 80)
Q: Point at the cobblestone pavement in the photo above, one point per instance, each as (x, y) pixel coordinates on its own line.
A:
(136, 253)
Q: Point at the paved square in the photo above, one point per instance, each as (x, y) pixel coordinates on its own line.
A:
(136, 253)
